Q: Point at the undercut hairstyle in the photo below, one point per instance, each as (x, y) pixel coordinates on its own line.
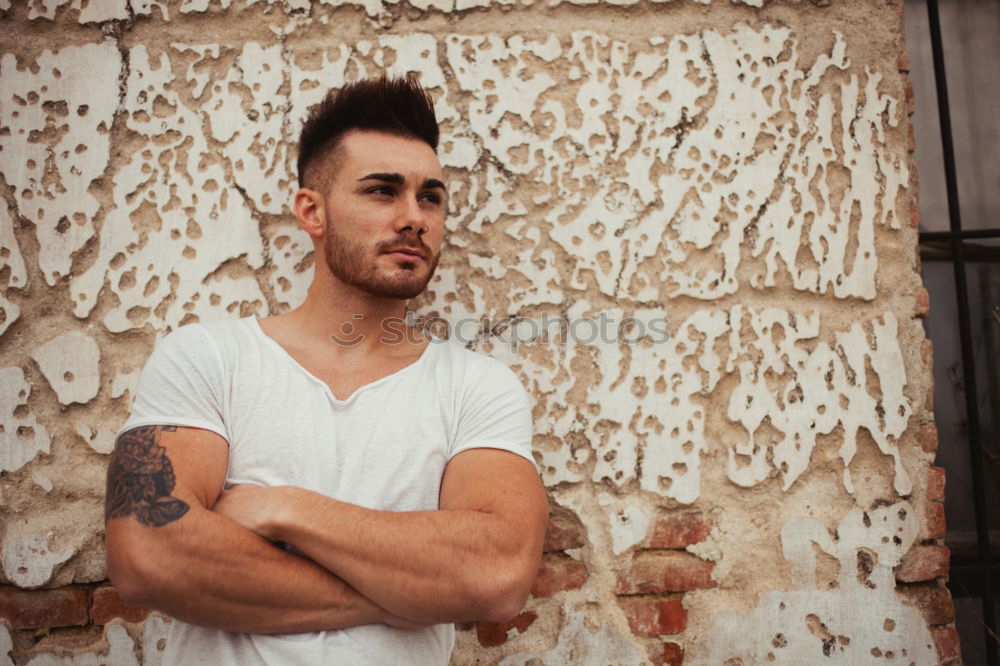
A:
(398, 106)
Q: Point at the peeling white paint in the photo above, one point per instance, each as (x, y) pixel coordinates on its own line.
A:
(579, 644)
(102, 441)
(10, 258)
(802, 394)
(99, 11)
(125, 382)
(60, 124)
(71, 364)
(119, 652)
(197, 6)
(628, 527)
(94, 11)
(288, 248)
(701, 168)
(652, 397)
(21, 436)
(683, 189)
(29, 562)
(182, 241)
(860, 618)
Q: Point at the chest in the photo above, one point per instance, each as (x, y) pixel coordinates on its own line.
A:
(385, 446)
(344, 377)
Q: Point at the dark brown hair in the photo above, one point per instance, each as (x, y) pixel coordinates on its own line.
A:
(394, 105)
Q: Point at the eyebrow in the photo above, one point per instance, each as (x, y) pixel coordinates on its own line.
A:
(398, 179)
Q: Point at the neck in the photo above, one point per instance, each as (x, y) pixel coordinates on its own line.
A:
(350, 320)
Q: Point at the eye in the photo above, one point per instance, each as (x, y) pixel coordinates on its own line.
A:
(434, 198)
(385, 190)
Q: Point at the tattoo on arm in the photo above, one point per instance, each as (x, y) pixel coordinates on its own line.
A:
(141, 478)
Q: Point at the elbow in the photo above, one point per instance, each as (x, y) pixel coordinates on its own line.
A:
(131, 572)
(504, 608)
(506, 589)
(503, 596)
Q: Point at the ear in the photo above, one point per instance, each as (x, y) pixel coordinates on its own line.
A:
(310, 212)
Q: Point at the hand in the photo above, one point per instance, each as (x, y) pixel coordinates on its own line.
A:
(250, 506)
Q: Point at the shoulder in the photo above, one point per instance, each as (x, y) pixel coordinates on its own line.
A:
(224, 330)
(477, 372)
(200, 343)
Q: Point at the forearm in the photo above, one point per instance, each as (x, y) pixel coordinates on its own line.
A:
(429, 566)
(207, 570)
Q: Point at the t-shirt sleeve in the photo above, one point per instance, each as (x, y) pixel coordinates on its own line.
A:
(495, 412)
(182, 384)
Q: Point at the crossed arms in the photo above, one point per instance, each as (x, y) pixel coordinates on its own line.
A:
(178, 543)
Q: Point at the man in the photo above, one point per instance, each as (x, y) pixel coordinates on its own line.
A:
(306, 489)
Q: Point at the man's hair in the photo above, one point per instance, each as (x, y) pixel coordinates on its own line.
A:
(394, 105)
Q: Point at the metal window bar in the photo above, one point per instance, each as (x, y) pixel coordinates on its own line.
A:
(983, 565)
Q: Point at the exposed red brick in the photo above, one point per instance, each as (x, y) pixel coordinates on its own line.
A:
(106, 605)
(561, 534)
(932, 599)
(935, 484)
(680, 531)
(911, 144)
(492, 634)
(673, 654)
(927, 438)
(922, 302)
(654, 617)
(911, 103)
(924, 563)
(946, 641)
(40, 609)
(666, 571)
(904, 61)
(934, 521)
(558, 573)
(897, 8)
(915, 216)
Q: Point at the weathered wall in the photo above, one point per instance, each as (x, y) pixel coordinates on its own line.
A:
(752, 486)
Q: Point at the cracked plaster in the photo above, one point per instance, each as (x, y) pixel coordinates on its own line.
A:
(579, 644)
(111, 10)
(682, 190)
(17, 278)
(857, 619)
(650, 400)
(71, 364)
(59, 121)
(30, 562)
(21, 436)
(119, 651)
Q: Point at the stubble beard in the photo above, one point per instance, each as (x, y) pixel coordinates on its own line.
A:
(353, 264)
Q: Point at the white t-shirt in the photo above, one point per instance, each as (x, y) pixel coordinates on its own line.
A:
(384, 447)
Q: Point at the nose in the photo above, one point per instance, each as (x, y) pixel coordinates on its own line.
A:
(410, 217)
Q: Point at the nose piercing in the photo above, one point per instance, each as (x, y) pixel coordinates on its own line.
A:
(423, 230)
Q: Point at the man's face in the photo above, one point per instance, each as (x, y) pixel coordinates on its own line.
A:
(385, 209)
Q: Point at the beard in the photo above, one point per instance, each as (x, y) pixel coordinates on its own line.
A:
(351, 263)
